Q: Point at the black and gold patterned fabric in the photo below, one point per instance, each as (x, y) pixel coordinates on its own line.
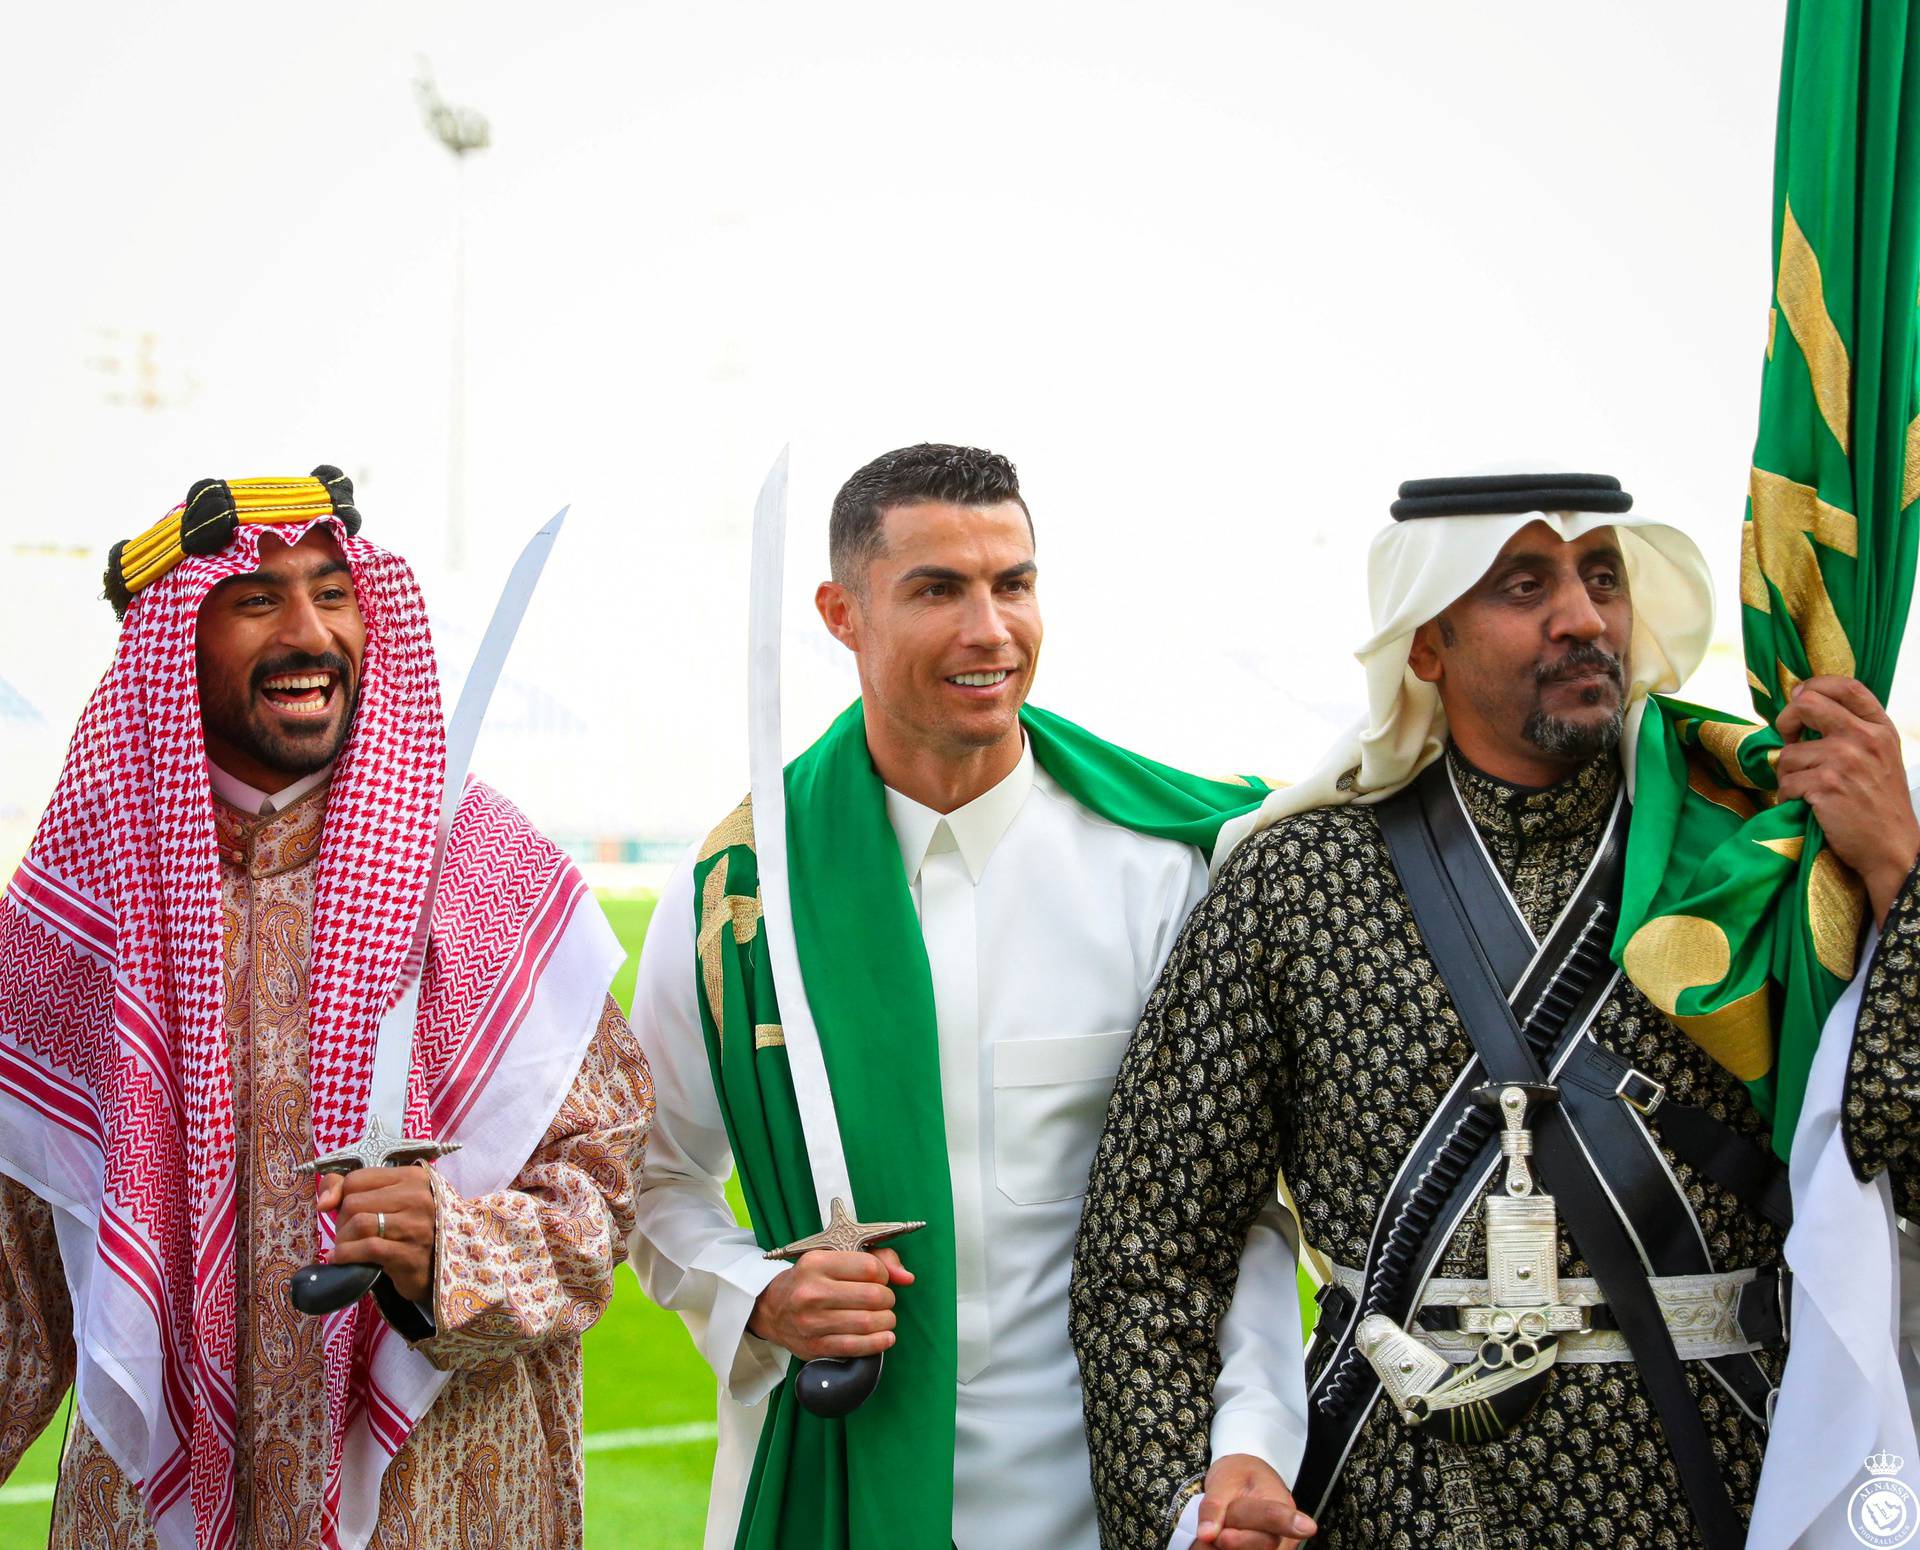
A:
(1880, 1109)
(1300, 1028)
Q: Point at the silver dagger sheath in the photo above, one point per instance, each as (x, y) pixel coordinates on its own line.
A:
(321, 1289)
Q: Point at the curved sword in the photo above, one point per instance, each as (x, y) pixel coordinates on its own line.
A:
(826, 1386)
(385, 1143)
(812, 1094)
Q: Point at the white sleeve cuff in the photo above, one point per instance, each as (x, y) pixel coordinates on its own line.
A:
(751, 1367)
(1264, 1430)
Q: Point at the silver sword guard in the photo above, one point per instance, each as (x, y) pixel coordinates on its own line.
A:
(379, 1148)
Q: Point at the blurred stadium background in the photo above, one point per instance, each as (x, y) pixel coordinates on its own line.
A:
(1217, 278)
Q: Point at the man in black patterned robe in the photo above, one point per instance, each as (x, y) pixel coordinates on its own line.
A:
(1301, 1030)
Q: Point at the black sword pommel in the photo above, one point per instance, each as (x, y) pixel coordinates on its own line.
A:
(323, 1289)
(835, 1386)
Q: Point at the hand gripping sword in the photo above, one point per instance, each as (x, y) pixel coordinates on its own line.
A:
(829, 1386)
(321, 1289)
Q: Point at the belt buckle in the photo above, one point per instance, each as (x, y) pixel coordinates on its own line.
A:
(1639, 1091)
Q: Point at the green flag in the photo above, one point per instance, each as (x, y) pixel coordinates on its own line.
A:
(1738, 922)
(883, 1475)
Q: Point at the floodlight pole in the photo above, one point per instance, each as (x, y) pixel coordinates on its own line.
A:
(462, 131)
(457, 388)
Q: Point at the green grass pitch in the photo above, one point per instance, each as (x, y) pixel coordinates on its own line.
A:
(647, 1389)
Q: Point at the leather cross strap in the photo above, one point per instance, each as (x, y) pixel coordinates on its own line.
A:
(1449, 931)
(1748, 1172)
(1647, 1196)
(1557, 990)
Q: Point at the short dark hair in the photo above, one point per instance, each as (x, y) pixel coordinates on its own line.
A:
(928, 471)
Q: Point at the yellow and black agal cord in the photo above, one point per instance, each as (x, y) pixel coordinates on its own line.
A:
(212, 513)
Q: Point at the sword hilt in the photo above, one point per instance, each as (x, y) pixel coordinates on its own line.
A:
(368, 1153)
(318, 1290)
(834, 1386)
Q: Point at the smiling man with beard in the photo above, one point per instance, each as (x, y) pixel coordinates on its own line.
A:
(277, 701)
(1547, 1221)
(214, 915)
(982, 895)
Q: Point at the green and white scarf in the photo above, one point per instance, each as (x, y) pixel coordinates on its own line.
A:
(883, 1475)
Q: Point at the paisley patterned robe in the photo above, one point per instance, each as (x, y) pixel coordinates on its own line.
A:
(519, 1275)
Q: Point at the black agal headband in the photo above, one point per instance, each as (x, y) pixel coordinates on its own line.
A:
(1502, 495)
(212, 513)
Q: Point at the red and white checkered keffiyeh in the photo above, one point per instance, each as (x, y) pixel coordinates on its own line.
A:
(116, 1092)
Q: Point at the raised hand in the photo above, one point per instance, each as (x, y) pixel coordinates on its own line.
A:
(1852, 777)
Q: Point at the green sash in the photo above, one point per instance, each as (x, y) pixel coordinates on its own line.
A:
(883, 1475)
(1739, 922)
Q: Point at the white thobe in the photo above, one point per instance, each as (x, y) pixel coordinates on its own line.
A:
(1848, 1389)
(237, 794)
(1045, 928)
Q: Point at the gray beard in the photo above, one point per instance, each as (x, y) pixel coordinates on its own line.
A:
(1574, 739)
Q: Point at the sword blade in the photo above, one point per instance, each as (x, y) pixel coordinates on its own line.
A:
(393, 1044)
(812, 1093)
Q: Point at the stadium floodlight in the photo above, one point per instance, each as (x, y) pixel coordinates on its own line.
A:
(462, 131)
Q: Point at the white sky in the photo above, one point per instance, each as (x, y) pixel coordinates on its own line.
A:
(1216, 275)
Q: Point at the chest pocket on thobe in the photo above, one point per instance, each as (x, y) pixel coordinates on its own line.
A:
(1049, 1102)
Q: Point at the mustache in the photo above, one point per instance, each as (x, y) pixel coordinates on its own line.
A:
(1583, 658)
(304, 662)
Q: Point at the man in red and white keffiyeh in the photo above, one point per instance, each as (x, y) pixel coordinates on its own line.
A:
(193, 959)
